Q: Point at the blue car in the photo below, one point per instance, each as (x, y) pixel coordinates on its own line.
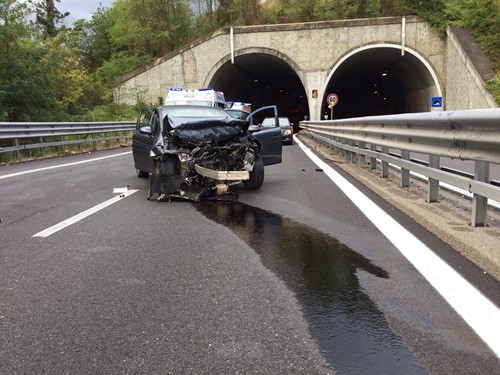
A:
(195, 152)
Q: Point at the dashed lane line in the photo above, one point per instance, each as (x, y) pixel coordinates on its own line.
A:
(72, 220)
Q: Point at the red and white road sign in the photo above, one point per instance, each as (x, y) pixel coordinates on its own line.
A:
(332, 99)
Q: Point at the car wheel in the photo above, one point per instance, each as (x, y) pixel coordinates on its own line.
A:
(142, 174)
(256, 175)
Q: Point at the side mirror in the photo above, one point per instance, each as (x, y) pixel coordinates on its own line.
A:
(146, 130)
(253, 128)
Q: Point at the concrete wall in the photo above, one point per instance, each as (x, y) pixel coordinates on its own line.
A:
(467, 69)
(313, 50)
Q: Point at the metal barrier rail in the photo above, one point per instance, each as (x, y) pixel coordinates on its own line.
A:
(465, 135)
(14, 131)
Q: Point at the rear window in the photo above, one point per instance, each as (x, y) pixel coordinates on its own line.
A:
(269, 122)
(284, 122)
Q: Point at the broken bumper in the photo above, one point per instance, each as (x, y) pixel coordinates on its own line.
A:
(222, 175)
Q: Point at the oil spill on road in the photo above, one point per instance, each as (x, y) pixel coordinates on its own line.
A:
(352, 333)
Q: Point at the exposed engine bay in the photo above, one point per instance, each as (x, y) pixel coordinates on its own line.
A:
(202, 159)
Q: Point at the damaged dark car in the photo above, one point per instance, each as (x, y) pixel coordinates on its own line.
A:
(197, 152)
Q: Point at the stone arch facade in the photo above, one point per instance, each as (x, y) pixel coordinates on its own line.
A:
(428, 65)
(257, 50)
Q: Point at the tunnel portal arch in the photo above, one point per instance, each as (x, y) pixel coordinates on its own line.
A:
(378, 79)
(262, 76)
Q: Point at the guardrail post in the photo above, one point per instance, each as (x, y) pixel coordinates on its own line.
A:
(433, 188)
(43, 148)
(361, 157)
(373, 161)
(480, 203)
(405, 173)
(93, 142)
(385, 164)
(62, 145)
(80, 146)
(16, 143)
(352, 155)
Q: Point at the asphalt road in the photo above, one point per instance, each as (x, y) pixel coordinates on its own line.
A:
(156, 287)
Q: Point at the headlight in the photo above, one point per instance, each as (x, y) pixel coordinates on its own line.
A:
(287, 132)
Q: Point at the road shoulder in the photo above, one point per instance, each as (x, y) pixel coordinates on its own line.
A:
(448, 219)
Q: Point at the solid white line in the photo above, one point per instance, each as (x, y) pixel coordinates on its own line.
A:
(66, 223)
(479, 312)
(63, 165)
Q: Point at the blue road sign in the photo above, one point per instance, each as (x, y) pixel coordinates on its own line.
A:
(437, 102)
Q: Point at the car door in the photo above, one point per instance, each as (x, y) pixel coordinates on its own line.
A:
(142, 140)
(270, 138)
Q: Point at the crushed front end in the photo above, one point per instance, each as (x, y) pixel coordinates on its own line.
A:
(201, 159)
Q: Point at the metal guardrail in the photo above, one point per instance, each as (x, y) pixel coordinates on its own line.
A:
(464, 135)
(65, 132)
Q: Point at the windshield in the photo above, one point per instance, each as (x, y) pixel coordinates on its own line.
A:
(193, 111)
(236, 113)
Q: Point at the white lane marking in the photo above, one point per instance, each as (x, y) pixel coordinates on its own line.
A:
(479, 312)
(66, 223)
(62, 165)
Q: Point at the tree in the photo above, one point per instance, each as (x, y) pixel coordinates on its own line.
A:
(48, 17)
(26, 90)
(150, 27)
(251, 13)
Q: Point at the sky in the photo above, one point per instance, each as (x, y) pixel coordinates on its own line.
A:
(80, 8)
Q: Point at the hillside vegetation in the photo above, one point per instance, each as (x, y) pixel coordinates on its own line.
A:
(52, 71)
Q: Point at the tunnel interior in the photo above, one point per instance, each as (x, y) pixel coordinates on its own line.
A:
(373, 81)
(379, 81)
(263, 79)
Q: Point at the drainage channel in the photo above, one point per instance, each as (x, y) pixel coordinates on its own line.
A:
(351, 332)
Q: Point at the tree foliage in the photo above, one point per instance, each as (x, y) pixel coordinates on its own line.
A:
(48, 16)
(51, 70)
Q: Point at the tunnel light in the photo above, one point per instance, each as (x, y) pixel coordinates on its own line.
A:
(256, 80)
(384, 74)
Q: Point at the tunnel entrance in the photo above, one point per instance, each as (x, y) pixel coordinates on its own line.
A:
(263, 79)
(378, 80)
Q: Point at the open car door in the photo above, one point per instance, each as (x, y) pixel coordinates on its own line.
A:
(269, 137)
(142, 140)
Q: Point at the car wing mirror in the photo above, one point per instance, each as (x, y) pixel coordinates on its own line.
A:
(146, 130)
(254, 128)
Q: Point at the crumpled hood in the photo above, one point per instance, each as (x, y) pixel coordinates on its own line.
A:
(219, 130)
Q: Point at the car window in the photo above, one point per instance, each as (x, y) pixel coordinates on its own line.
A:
(268, 122)
(236, 113)
(147, 119)
(284, 122)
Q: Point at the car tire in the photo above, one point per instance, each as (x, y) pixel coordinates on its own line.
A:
(141, 174)
(256, 175)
